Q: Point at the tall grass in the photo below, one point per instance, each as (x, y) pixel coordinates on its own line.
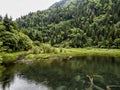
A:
(43, 48)
(46, 51)
(1, 60)
(11, 57)
(94, 51)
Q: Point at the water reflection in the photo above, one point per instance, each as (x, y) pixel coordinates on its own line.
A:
(22, 84)
(87, 73)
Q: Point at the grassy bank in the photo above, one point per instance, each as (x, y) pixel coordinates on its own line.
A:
(11, 57)
(94, 51)
(77, 52)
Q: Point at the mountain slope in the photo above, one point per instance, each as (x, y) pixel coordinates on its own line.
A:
(65, 3)
(77, 23)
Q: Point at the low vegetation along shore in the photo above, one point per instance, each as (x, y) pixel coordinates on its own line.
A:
(55, 53)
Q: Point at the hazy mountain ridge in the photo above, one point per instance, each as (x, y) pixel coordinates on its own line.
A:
(59, 4)
(64, 3)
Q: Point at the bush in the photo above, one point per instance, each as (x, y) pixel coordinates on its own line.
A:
(9, 39)
(113, 47)
(46, 48)
(37, 43)
(1, 59)
(9, 58)
(25, 43)
(35, 50)
(102, 46)
(1, 43)
(30, 56)
(117, 42)
(14, 41)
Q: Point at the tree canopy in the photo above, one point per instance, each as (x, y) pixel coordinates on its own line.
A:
(10, 37)
(77, 23)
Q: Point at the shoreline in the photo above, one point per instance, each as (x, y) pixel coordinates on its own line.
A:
(66, 53)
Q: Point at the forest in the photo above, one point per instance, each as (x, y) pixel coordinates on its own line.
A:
(72, 45)
(11, 39)
(68, 23)
(76, 23)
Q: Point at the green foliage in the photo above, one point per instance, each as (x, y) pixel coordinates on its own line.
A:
(2, 27)
(1, 43)
(33, 34)
(12, 40)
(117, 42)
(15, 41)
(30, 56)
(12, 57)
(36, 50)
(1, 59)
(77, 38)
(9, 58)
(9, 39)
(9, 24)
(43, 48)
(76, 23)
(46, 48)
(25, 43)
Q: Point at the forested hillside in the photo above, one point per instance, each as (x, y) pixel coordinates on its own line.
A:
(11, 39)
(76, 23)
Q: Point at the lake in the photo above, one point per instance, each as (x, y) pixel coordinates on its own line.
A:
(79, 73)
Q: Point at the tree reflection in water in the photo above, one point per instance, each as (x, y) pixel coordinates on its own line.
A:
(96, 73)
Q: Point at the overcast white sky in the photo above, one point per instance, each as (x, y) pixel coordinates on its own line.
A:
(16, 8)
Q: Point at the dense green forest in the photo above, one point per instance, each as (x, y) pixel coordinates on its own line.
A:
(72, 45)
(76, 23)
(11, 39)
(68, 23)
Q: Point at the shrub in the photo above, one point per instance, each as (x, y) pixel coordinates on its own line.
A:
(30, 56)
(113, 47)
(9, 39)
(1, 59)
(14, 41)
(46, 48)
(9, 58)
(117, 42)
(1, 43)
(35, 50)
(37, 43)
(25, 43)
